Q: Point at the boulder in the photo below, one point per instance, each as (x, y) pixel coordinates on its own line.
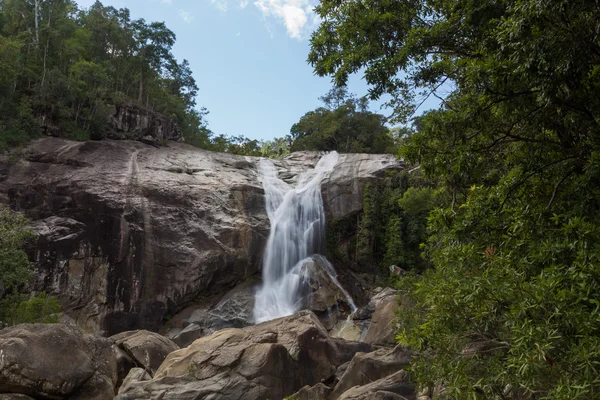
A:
(188, 335)
(54, 361)
(316, 392)
(130, 233)
(267, 361)
(381, 327)
(392, 387)
(134, 375)
(373, 323)
(147, 349)
(369, 367)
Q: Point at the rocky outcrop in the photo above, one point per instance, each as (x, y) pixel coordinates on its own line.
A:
(366, 368)
(319, 391)
(375, 322)
(132, 122)
(147, 349)
(392, 387)
(56, 362)
(266, 361)
(130, 233)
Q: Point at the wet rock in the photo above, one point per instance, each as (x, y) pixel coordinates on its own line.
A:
(55, 361)
(266, 361)
(147, 349)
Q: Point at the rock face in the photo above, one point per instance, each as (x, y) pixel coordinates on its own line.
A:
(266, 361)
(132, 122)
(129, 233)
(55, 362)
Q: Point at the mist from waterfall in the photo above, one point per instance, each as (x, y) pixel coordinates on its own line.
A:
(297, 232)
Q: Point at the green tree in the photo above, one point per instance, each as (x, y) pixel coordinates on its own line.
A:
(15, 272)
(510, 309)
(344, 125)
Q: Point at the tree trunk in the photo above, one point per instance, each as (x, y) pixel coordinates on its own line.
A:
(36, 22)
(140, 95)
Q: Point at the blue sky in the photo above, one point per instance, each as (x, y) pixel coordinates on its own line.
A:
(248, 58)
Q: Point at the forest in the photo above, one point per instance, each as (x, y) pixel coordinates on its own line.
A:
(496, 220)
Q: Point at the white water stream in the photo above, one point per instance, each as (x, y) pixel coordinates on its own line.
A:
(297, 232)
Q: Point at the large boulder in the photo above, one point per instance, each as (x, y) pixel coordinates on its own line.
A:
(54, 361)
(266, 361)
(130, 233)
(366, 368)
(147, 349)
(392, 387)
(374, 323)
(382, 324)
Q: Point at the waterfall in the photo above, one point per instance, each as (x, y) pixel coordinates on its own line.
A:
(297, 232)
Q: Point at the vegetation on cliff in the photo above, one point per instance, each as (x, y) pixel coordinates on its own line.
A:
(15, 272)
(510, 308)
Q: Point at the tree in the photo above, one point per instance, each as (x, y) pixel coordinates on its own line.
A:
(344, 125)
(510, 309)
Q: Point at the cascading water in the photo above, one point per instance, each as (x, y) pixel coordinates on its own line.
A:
(297, 232)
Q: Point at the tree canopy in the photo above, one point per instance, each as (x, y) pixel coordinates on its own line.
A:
(343, 124)
(63, 67)
(510, 308)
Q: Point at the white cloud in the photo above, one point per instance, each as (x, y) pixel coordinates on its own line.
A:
(238, 34)
(167, 1)
(297, 15)
(220, 4)
(186, 16)
(244, 3)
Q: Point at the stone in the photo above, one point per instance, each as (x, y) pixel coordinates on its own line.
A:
(316, 392)
(392, 387)
(14, 396)
(129, 234)
(188, 335)
(134, 375)
(266, 361)
(56, 361)
(125, 363)
(366, 368)
(147, 349)
(381, 327)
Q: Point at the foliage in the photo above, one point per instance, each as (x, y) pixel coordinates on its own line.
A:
(15, 272)
(510, 309)
(64, 69)
(275, 148)
(344, 124)
(18, 309)
(391, 227)
(14, 264)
